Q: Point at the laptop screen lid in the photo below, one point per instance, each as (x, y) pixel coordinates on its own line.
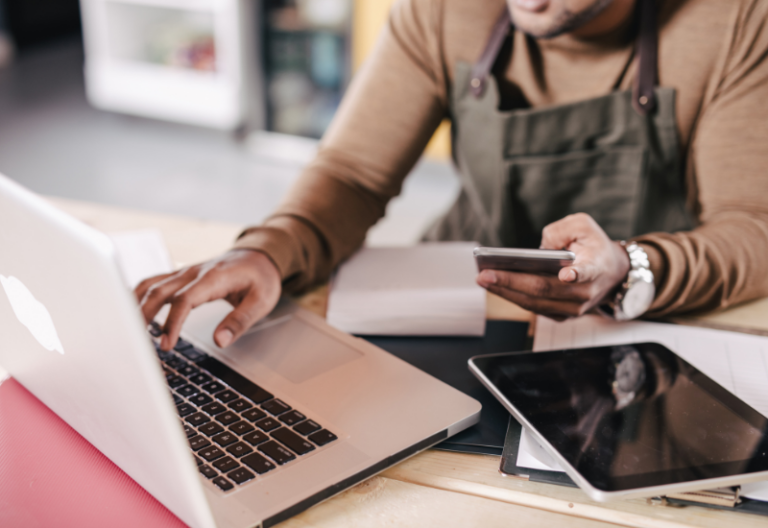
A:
(71, 333)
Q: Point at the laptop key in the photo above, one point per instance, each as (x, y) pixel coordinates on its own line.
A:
(241, 475)
(200, 399)
(253, 414)
(276, 407)
(226, 464)
(176, 398)
(258, 463)
(154, 329)
(176, 381)
(291, 418)
(188, 370)
(225, 438)
(223, 483)
(322, 437)
(268, 424)
(239, 383)
(239, 449)
(185, 409)
(211, 453)
(193, 354)
(276, 452)
(200, 379)
(294, 442)
(189, 431)
(197, 419)
(226, 396)
(255, 438)
(308, 427)
(210, 429)
(227, 417)
(240, 405)
(213, 387)
(214, 408)
(241, 428)
(198, 461)
(182, 344)
(176, 363)
(198, 442)
(208, 471)
(187, 390)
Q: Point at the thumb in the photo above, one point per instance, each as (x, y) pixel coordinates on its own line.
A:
(250, 310)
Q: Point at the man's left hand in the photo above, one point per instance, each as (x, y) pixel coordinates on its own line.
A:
(600, 265)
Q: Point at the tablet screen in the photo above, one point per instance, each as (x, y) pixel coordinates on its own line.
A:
(632, 416)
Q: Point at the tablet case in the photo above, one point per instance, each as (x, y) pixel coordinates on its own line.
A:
(446, 359)
(508, 466)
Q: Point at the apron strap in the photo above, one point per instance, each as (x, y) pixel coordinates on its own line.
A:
(482, 67)
(644, 95)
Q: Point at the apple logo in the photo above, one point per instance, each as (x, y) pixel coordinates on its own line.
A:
(32, 314)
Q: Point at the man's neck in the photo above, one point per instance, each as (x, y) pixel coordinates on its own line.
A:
(613, 18)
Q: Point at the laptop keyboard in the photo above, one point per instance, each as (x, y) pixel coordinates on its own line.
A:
(237, 430)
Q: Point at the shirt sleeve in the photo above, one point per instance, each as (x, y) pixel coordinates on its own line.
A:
(390, 111)
(724, 260)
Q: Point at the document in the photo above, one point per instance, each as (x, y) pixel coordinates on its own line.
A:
(738, 362)
(426, 290)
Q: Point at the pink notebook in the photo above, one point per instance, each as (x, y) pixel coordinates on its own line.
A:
(50, 476)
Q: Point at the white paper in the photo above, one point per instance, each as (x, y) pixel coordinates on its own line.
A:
(141, 254)
(739, 362)
(427, 289)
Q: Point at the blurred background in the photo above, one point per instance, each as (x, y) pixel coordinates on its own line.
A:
(206, 108)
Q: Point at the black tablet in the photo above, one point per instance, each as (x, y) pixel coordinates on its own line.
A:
(630, 420)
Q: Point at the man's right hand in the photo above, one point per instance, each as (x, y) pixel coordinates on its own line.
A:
(247, 279)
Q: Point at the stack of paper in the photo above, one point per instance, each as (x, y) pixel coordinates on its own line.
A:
(427, 289)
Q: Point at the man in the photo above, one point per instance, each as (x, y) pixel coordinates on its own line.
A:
(584, 123)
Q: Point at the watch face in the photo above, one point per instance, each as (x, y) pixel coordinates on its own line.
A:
(638, 299)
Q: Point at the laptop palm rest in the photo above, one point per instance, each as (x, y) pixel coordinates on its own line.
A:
(283, 343)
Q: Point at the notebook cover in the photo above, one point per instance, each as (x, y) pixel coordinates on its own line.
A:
(509, 466)
(52, 476)
(446, 359)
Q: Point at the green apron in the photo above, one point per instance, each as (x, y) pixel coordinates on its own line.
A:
(616, 157)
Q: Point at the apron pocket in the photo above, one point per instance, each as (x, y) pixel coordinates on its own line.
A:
(604, 183)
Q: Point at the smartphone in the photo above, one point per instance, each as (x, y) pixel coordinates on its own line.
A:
(542, 261)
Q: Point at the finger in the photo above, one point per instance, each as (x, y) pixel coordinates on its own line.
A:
(141, 290)
(248, 312)
(579, 272)
(540, 286)
(203, 289)
(549, 307)
(564, 232)
(161, 292)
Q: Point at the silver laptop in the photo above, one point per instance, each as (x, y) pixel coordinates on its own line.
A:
(292, 414)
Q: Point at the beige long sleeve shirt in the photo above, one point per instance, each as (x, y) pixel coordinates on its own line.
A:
(713, 52)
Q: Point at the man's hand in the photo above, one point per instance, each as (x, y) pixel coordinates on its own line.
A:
(599, 267)
(247, 279)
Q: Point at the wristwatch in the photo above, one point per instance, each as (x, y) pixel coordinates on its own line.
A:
(636, 294)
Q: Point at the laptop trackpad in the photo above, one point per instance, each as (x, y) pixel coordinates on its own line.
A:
(294, 349)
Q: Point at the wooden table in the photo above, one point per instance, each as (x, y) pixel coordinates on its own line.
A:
(437, 488)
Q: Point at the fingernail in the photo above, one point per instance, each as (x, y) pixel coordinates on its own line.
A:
(225, 338)
(165, 342)
(488, 277)
(570, 275)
